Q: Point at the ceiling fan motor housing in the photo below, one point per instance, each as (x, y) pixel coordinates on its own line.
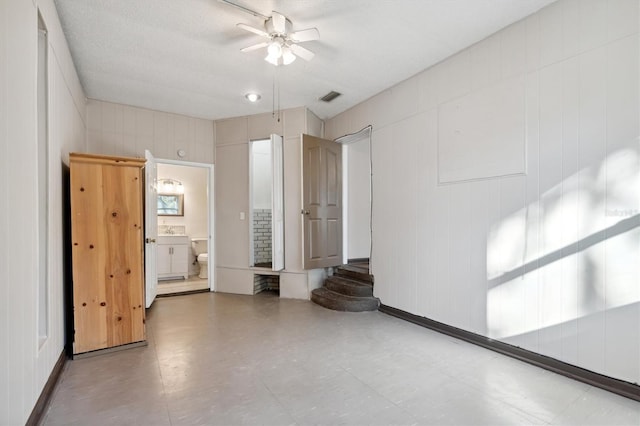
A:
(270, 28)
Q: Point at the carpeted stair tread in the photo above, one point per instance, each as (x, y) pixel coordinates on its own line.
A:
(340, 302)
(353, 273)
(349, 287)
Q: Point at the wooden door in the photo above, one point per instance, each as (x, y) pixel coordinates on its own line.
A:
(106, 233)
(322, 202)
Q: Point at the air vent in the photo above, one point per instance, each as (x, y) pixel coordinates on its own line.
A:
(330, 96)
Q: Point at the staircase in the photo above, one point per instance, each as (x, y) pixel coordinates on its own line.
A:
(350, 288)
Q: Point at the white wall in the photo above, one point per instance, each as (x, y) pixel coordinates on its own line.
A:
(261, 174)
(24, 366)
(547, 261)
(194, 180)
(116, 129)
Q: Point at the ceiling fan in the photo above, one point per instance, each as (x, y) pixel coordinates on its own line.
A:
(282, 44)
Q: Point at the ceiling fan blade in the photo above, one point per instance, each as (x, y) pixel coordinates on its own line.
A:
(255, 47)
(279, 22)
(254, 30)
(305, 35)
(305, 54)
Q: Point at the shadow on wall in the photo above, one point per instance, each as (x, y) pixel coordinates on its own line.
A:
(574, 253)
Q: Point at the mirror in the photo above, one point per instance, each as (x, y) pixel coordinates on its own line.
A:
(170, 205)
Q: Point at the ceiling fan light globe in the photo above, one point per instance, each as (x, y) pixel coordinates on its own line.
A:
(272, 59)
(275, 49)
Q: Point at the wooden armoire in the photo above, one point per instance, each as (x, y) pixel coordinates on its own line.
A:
(107, 251)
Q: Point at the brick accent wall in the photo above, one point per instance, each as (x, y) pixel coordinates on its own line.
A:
(262, 236)
(265, 282)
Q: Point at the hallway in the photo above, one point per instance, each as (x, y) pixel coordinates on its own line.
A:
(229, 359)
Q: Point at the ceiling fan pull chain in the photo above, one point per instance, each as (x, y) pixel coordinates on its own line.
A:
(278, 81)
(273, 98)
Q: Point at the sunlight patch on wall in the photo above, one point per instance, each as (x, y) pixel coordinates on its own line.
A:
(572, 254)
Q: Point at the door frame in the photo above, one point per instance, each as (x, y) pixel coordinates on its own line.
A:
(345, 140)
(276, 142)
(210, 217)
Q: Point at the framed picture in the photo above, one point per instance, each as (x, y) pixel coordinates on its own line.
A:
(170, 205)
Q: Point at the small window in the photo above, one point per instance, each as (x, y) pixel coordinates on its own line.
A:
(170, 205)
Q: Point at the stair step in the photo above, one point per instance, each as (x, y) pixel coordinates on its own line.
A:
(340, 302)
(349, 287)
(353, 272)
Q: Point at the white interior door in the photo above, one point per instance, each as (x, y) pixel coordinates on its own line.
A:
(277, 204)
(150, 229)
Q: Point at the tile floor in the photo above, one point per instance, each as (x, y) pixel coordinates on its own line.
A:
(228, 359)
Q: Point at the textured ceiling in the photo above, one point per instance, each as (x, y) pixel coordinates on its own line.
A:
(183, 56)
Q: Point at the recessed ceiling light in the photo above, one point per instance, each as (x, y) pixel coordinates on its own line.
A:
(252, 97)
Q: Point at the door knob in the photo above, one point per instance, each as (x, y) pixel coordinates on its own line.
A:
(150, 240)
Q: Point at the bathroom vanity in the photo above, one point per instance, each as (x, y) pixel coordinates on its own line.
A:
(173, 256)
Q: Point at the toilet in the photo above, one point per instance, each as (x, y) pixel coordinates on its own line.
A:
(199, 246)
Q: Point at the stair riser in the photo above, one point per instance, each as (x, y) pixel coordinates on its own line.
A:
(357, 291)
(358, 276)
(355, 306)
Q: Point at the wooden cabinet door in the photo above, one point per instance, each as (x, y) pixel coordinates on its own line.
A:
(106, 232)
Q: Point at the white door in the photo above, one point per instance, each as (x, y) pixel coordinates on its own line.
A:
(150, 229)
(277, 204)
(321, 202)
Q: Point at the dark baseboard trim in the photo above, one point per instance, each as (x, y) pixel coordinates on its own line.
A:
(610, 384)
(358, 260)
(40, 408)
(185, 293)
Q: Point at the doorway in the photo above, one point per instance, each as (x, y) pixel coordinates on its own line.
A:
(261, 199)
(357, 192)
(266, 210)
(180, 211)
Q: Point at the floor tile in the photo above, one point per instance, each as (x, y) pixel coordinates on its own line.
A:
(235, 360)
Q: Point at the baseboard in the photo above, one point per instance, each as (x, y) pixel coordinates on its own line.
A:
(620, 387)
(184, 293)
(112, 349)
(45, 396)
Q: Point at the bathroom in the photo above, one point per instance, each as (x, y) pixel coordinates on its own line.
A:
(183, 227)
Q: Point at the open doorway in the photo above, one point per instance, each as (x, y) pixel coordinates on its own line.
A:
(266, 203)
(357, 195)
(179, 228)
(261, 200)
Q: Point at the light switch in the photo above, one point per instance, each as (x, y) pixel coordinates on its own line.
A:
(241, 215)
